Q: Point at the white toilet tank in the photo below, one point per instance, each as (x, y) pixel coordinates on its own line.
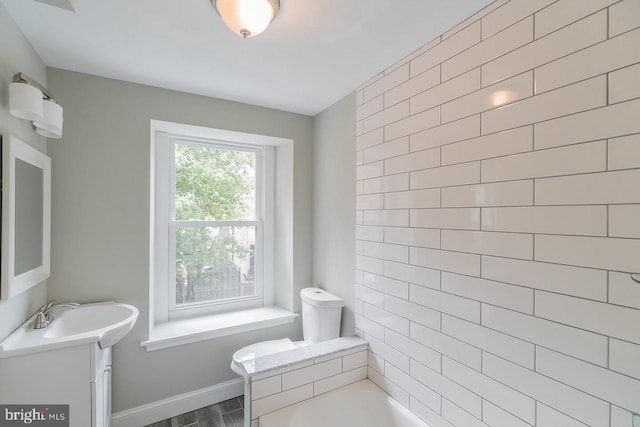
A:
(321, 312)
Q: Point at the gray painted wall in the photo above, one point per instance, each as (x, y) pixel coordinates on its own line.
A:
(334, 208)
(100, 219)
(100, 210)
(17, 55)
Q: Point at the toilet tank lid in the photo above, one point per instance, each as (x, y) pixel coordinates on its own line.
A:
(321, 298)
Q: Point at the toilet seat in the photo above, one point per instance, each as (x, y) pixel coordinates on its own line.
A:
(260, 349)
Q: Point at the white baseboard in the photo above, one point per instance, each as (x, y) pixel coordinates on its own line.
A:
(176, 405)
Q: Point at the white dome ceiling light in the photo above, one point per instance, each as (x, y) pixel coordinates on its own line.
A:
(247, 18)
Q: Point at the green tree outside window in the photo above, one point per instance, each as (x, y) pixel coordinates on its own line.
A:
(214, 184)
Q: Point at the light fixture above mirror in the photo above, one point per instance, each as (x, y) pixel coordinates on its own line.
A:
(29, 100)
(247, 18)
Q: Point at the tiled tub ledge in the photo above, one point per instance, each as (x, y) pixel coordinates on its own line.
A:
(282, 379)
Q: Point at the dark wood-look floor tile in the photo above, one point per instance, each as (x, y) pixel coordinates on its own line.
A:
(184, 420)
(229, 405)
(234, 418)
(163, 423)
(229, 413)
(209, 417)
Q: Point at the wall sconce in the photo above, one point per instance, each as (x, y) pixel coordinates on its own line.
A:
(29, 100)
(247, 18)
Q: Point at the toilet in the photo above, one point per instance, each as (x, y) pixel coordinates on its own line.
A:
(321, 313)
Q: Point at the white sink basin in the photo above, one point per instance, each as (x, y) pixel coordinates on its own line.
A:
(105, 323)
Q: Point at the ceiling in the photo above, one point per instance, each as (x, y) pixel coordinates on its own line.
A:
(314, 53)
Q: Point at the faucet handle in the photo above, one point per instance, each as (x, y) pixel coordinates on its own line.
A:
(52, 305)
(46, 306)
(41, 321)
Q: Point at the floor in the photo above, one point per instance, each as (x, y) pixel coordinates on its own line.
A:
(229, 413)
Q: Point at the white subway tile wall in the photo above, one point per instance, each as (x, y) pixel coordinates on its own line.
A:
(499, 219)
(293, 384)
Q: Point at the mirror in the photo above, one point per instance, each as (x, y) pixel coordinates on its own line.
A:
(26, 216)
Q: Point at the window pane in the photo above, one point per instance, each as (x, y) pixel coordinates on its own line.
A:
(214, 263)
(214, 183)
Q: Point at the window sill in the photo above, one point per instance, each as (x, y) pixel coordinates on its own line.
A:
(188, 331)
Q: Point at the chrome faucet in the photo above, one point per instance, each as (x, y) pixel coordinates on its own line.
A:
(44, 315)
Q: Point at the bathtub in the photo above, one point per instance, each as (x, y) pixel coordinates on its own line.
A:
(359, 404)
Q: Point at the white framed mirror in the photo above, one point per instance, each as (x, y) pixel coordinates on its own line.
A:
(26, 217)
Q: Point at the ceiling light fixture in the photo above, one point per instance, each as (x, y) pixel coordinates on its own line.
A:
(247, 18)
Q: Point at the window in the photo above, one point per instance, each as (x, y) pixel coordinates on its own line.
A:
(212, 226)
(215, 229)
(217, 266)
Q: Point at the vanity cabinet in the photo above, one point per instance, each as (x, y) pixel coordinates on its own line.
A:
(79, 376)
(101, 388)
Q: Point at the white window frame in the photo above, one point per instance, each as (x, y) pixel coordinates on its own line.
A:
(164, 226)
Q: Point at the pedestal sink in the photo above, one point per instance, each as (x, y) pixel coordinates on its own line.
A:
(104, 323)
